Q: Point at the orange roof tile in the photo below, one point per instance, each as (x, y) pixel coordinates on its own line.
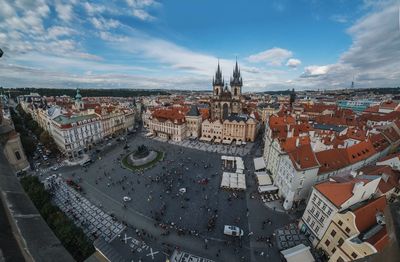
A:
(303, 157)
(360, 151)
(390, 177)
(366, 215)
(338, 193)
(330, 160)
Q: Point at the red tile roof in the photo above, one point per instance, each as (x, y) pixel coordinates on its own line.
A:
(338, 193)
(360, 151)
(289, 144)
(331, 160)
(174, 114)
(390, 177)
(379, 142)
(366, 214)
(303, 157)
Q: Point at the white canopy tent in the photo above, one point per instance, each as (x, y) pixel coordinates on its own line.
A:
(239, 163)
(227, 142)
(217, 140)
(233, 181)
(207, 139)
(259, 163)
(263, 179)
(298, 253)
(269, 188)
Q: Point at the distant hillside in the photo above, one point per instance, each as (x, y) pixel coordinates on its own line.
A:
(14, 92)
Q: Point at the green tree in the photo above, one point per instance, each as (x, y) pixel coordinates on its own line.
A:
(29, 144)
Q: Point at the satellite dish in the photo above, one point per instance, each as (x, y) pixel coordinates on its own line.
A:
(1, 53)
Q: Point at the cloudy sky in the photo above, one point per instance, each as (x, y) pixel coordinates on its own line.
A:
(176, 44)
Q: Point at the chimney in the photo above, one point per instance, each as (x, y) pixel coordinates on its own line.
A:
(297, 142)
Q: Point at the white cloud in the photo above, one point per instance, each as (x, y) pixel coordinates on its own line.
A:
(142, 15)
(275, 56)
(373, 58)
(93, 9)
(104, 24)
(139, 8)
(56, 31)
(339, 18)
(314, 70)
(64, 11)
(293, 62)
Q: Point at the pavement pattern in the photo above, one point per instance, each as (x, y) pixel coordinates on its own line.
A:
(191, 222)
(94, 221)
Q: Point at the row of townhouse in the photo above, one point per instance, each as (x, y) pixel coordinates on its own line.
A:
(344, 216)
(178, 123)
(295, 166)
(77, 131)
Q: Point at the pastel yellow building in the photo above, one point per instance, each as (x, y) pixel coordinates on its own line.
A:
(357, 232)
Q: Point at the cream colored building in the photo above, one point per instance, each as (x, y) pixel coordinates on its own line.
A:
(76, 133)
(357, 232)
(329, 198)
(168, 123)
(211, 130)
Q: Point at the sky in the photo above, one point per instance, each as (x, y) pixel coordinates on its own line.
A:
(176, 44)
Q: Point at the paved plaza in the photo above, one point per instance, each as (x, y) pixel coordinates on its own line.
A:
(232, 149)
(94, 221)
(190, 222)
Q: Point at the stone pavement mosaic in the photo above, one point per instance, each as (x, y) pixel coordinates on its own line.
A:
(94, 221)
(180, 256)
(290, 236)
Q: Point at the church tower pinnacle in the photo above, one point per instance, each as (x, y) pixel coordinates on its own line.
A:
(236, 82)
(218, 82)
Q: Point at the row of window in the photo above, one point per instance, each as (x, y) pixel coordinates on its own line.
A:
(319, 203)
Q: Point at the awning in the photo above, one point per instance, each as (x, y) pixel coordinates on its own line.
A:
(269, 188)
(229, 158)
(298, 253)
(233, 181)
(217, 140)
(208, 139)
(227, 142)
(259, 163)
(238, 143)
(263, 179)
(239, 163)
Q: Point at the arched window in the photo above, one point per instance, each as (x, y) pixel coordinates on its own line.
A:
(216, 91)
(235, 92)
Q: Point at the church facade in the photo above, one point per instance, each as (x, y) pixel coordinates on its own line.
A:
(226, 101)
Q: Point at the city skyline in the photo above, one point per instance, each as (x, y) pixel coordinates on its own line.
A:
(176, 45)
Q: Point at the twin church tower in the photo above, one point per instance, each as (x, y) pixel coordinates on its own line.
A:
(226, 101)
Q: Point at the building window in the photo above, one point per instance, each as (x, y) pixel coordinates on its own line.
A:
(333, 250)
(340, 242)
(354, 255)
(340, 259)
(17, 155)
(347, 230)
(333, 233)
(327, 243)
(329, 212)
(340, 223)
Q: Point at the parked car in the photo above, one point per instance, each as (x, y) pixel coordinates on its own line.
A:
(233, 231)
